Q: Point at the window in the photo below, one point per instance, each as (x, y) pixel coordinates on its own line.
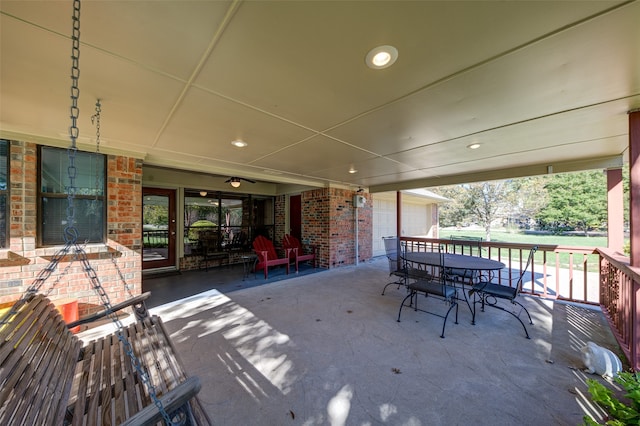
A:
(223, 215)
(89, 208)
(4, 191)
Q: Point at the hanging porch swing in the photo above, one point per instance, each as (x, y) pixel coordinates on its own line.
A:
(130, 377)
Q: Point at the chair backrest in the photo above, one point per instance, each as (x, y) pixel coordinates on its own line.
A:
(208, 240)
(391, 247)
(289, 241)
(526, 267)
(261, 243)
(433, 271)
(391, 251)
(461, 244)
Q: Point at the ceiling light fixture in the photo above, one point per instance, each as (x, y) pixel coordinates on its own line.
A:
(381, 57)
(203, 193)
(239, 143)
(235, 181)
(352, 170)
(473, 146)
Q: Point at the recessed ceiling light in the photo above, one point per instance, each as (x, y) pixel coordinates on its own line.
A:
(352, 170)
(381, 57)
(473, 146)
(239, 143)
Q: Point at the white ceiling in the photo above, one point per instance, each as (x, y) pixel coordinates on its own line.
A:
(536, 83)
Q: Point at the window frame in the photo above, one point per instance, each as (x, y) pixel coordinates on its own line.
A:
(63, 195)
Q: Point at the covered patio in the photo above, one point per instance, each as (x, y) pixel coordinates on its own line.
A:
(325, 348)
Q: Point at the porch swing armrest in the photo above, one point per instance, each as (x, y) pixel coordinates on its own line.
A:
(171, 401)
(115, 308)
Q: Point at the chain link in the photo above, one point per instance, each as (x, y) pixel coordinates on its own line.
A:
(95, 119)
(71, 232)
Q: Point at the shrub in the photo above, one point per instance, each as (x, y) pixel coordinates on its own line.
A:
(619, 412)
(194, 232)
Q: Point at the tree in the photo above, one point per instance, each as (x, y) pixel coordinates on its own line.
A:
(477, 202)
(453, 212)
(485, 200)
(576, 201)
(525, 199)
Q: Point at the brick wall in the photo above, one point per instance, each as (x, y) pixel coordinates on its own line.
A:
(22, 261)
(328, 221)
(280, 214)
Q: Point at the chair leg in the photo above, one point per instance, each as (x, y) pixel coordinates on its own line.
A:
(402, 304)
(525, 309)
(514, 302)
(444, 324)
(399, 283)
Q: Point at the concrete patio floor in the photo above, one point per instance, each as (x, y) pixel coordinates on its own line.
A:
(326, 349)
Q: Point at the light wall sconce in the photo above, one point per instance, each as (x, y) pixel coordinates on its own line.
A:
(203, 193)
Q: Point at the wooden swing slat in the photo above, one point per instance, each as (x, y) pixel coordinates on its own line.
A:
(36, 353)
(47, 378)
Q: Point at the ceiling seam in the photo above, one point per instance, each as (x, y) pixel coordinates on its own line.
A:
(483, 63)
(442, 80)
(515, 123)
(99, 49)
(233, 8)
(519, 152)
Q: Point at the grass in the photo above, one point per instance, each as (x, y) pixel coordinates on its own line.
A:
(518, 237)
(560, 240)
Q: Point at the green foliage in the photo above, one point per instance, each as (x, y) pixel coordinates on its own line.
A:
(194, 230)
(487, 202)
(620, 413)
(576, 201)
(155, 215)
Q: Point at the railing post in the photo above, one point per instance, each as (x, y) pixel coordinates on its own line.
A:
(635, 330)
(634, 185)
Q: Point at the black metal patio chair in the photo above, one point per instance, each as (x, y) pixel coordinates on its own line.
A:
(430, 283)
(471, 246)
(487, 293)
(395, 264)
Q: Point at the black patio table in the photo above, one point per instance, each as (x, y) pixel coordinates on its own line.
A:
(455, 261)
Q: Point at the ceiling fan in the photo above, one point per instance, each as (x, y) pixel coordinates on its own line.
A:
(235, 181)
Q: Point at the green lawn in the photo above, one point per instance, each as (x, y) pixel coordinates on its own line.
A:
(516, 237)
(561, 240)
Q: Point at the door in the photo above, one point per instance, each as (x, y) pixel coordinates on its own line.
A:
(158, 228)
(295, 216)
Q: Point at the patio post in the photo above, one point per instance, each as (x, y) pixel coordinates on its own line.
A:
(398, 214)
(634, 185)
(615, 216)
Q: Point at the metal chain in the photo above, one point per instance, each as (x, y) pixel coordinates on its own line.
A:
(71, 232)
(128, 349)
(95, 118)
